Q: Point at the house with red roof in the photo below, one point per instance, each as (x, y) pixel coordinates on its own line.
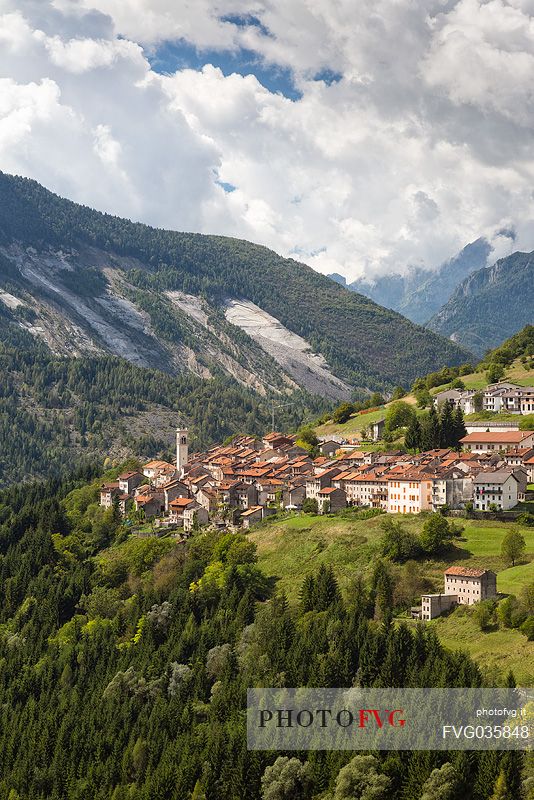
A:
(331, 499)
(484, 441)
(463, 586)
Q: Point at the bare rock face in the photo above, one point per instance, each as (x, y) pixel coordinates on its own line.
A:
(115, 318)
(293, 353)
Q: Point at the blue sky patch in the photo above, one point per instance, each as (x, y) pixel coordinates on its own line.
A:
(228, 187)
(328, 76)
(245, 21)
(172, 56)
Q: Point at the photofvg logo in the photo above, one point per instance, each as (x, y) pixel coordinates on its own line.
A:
(386, 719)
(323, 717)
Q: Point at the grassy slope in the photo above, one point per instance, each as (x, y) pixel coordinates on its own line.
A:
(475, 380)
(291, 548)
(500, 650)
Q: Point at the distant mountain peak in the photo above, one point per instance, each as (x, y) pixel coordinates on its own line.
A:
(490, 305)
(420, 293)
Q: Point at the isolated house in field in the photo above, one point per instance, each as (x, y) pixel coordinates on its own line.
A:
(463, 586)
(377, 429)
(470, 585)
(499, 488)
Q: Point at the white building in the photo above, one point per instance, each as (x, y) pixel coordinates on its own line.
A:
(488, 441)
(470, 585)
(498, 489)
(409, 493)
(463, 586)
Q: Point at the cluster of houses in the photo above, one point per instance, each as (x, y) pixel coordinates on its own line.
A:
(503, 397)
(243, 482)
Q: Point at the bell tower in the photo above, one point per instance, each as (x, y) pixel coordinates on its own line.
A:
(182, 449)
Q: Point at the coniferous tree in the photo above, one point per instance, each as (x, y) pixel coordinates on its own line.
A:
(327, 591)
(412, 439)
(447, 425)
(459, 428)
(308, 593)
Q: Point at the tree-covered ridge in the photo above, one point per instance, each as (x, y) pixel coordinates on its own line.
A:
(125, 664)
(56, 413)
(365, 344)
(520, 345)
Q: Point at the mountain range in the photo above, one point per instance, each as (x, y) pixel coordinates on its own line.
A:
(86, 283)
(420, 293)
(475, 305)
(490, 305)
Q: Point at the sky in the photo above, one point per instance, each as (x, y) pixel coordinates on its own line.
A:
(362, 137)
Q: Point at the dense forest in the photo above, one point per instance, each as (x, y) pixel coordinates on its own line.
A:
(56, 413)
(125, 663)
(353, 333)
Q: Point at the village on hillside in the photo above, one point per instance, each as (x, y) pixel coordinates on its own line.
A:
(241, 483)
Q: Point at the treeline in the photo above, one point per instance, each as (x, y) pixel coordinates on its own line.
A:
(520, 346)
(124, 670)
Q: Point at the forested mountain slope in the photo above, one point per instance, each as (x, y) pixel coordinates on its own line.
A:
(125, 666)
(87, 282)
(490, 305)
(58, 413)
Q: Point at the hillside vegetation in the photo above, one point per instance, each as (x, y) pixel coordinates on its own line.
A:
(58, 413)
(513, 360)
(292, 548)
(125, 664)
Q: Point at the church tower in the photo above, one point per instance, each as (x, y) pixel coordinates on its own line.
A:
(182, 449)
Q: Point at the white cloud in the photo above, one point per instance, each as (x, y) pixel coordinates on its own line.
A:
(421, 147)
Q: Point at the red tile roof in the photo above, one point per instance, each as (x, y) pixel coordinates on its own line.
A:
(465, 572)
(497, 436)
